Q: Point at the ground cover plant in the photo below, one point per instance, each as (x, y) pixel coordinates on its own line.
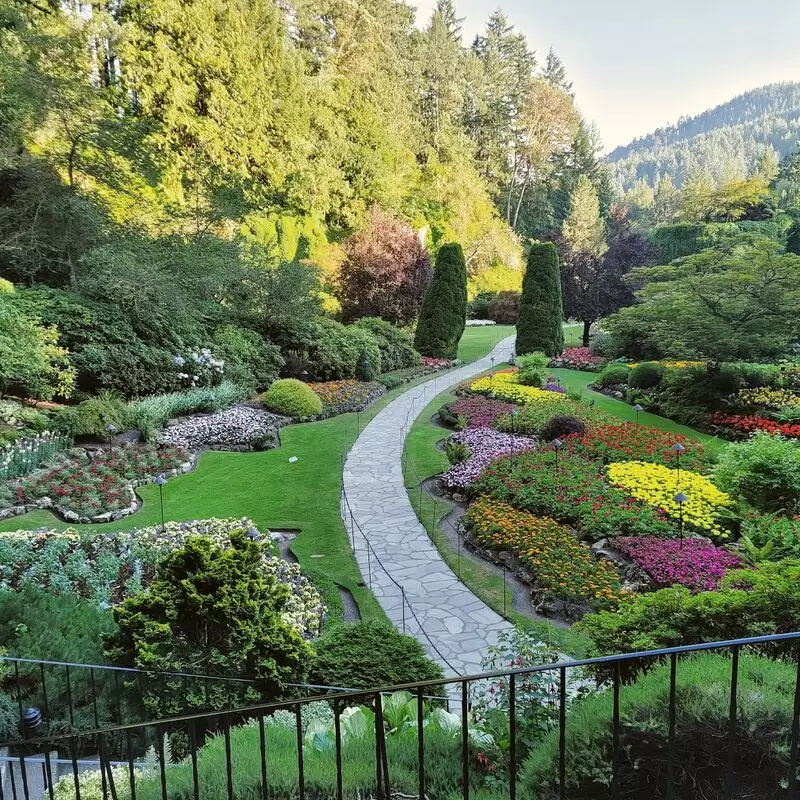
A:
(342, 397)
(563, 567)
(483, 446)
(473, 411)
(99, 482)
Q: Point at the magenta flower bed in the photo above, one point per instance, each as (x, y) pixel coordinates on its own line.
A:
(578, 358)
(698, 565)
(480, 411)
(485, 445)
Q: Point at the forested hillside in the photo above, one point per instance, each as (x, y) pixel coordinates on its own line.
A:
(726, 142)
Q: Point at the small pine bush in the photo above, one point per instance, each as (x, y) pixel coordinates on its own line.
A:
(541, 315)
(444, 310)
(612, 375)
(292, 398)
(559, 426)
(646, 375)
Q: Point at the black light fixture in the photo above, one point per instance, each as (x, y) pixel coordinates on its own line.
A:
(491, 371)
(31, 721)
(253, 535)
(160, 481)
(514, 412)
(678, 448)
(680, 499)
(638, 409)
(556, 444)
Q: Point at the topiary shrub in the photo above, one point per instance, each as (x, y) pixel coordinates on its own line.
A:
(646, 375)
(612, 375)
(765, 701)
(100, 417)
(444, 310)
(764, 471)
(292, 398)
(561, 425)
(370, 654)
(541, 314)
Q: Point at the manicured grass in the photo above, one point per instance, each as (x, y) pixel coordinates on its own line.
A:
(273, 493)
(477, 342)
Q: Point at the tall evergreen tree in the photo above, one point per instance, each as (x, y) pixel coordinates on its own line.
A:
(793, 238)
(555, 73)
(583, 229)
(444, 309)
(540, 317)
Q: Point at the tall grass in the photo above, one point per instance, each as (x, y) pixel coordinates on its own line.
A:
(150, 413)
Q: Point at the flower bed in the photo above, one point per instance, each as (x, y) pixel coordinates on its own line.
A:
(658, 485)
(25, 455)
(478, 411)
(627, 441)
(749, 423)
(83, 485)
(533, 415)
(504, 385)
(107, 568)
(693, 563)
(342, 397)
(479, 323)
(769, 398)
(237, 428)
(578, 358)
(485, 445)
(575, 493)
(436, 363)
(563, 567)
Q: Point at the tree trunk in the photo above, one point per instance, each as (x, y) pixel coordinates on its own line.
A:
(587, 324)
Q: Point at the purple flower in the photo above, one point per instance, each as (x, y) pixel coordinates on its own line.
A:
(554, 387)
(485, 445)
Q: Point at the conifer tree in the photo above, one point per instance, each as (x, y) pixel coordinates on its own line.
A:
(444, 309)
(540, 316)
(793, 239)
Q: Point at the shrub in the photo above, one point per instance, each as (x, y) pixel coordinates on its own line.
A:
(581, 358)
(748, 602)
(780, 534)
(369, 654)
(479, 307)
(292, 398)
(99, 417)
(686, 394)
(444, 311)
(560, 426)
(533, 415)
(35, 622)
(503, 308)
(540, 317)
(646, 375)
(243, 632)
(336, 350)
(702, 694)
(531, 369)
(250, 360)
(765, 471)
(613, 375)
(396, 347)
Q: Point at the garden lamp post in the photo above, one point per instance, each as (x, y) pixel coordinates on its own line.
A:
(491, 371)
(678, 448)
(514, 412)
(556, 444)
(160, 481)
(638, 409)
(680, 499)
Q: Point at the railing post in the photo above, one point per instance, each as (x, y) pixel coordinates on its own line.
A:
(732, 721)
(673, 670)
(512, 735)
(562, 733)
(403, 603)
(615, 732)
(301, 776)
(421, 742)
(464, 742)
(337, 728)
(794, 744)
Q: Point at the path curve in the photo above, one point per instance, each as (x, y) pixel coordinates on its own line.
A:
(459, 624)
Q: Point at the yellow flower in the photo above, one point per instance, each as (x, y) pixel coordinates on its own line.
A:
(772, 398)
(505, 385)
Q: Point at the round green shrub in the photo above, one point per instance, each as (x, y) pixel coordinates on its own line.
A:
(396, 346)
(613, 375)
(292, 398)
(100, 417)
(6, 287)
(370, 654)
(561, 425)
(646, 375)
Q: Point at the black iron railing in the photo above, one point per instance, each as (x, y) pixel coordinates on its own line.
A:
(253, 756)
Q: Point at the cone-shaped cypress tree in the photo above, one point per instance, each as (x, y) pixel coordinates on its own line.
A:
(793, 239)
(540, 315)
(444, 309)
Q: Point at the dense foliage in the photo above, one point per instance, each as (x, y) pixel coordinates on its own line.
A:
(292, 398)
(540, 312)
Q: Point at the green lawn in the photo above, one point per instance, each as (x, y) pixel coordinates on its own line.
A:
(477, 342)
(276, 494)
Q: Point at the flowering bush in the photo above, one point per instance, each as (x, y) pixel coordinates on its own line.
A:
(505, 386)
(693, 563)
(94, 484)
(749, 423)
(484, 445)
(658, 485)
(578, 358)
(629, 442)
(479, 323)
(199, 369)
(341, 397)
(25, 455)
(435, 363)
(563, 566)
(478, 411)
(575, 492)
(769, 398)
(106, 568)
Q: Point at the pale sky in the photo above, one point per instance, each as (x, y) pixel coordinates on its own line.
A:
(640, 64)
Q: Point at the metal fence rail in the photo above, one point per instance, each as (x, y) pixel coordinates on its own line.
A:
(125, 743)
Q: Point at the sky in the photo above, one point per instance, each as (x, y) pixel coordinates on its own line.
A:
(637, 65)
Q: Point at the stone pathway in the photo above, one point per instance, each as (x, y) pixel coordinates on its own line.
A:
(458, 625)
